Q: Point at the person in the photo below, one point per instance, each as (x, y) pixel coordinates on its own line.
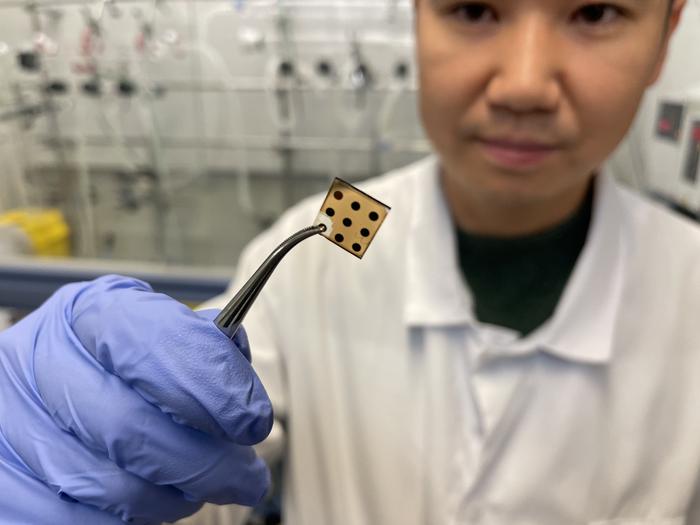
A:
(518, 346)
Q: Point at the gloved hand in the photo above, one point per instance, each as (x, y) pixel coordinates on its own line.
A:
(117, 403)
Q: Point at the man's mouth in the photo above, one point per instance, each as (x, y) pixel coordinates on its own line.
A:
(517, 153)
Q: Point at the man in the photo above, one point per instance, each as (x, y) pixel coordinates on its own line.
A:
(415, 387)
(520, 344)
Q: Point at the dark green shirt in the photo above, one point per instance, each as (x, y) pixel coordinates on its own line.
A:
(517, 282)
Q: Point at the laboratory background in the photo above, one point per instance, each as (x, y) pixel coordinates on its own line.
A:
(155, 138)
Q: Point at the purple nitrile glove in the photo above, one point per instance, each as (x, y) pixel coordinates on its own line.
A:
(120, 404)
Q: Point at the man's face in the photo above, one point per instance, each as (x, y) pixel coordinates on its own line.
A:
(524, 99)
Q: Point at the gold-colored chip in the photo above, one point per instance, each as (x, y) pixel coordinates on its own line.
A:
(352, 218)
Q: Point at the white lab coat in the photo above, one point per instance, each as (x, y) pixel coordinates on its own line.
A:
(398, 407)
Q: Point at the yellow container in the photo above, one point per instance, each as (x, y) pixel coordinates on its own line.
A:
(46, 229)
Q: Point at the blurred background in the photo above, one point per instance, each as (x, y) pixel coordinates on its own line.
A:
(157, 137)
(171, 132)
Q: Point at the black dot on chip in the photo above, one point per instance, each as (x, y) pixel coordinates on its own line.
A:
(330, 212)
(347, 222)
(356, 247)
(339, 238)
(355, 206)
(373, 216)
(364, 232)
(338, 195)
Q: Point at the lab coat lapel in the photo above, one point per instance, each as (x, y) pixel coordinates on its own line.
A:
(583, 326)
(435, 291)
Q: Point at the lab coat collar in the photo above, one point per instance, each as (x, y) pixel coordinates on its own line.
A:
(435, 291)
(582, 327)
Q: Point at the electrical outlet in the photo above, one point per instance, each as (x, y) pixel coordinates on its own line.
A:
(352, 218)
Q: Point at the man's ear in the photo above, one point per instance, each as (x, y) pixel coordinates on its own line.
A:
(671, 25)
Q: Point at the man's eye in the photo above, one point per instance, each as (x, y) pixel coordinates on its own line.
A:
(598, 14)
(474, 13)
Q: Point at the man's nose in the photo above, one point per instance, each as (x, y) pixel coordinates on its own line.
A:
(527, 77)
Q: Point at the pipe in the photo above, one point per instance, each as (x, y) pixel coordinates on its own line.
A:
(258, 143)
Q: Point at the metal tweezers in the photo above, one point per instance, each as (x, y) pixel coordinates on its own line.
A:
(231, 317)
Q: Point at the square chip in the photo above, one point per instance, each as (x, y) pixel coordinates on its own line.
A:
(352, 217)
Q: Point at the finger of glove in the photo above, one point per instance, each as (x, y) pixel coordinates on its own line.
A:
(110, 417)
(174, 358)
(34, 502)
(71, 470)
(240, 340)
